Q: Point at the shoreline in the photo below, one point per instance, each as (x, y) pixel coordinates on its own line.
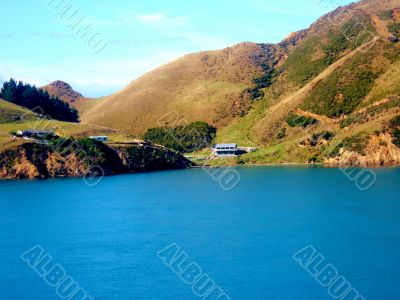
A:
(283, 165)
(320, 165)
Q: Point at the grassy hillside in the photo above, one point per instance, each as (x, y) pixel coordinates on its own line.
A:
(14, 118)
(10, 112)
(206, 86)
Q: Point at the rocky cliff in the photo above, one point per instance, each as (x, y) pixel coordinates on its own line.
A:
(80, 158)
(378, 150)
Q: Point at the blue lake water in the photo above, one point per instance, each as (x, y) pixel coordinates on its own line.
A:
(107, 237)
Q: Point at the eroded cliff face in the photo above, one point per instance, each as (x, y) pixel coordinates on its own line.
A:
(379, 151)
(32, 160)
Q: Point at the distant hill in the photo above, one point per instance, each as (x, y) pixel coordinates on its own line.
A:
(63, 91)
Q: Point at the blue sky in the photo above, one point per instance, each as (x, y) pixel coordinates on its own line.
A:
(133, 37)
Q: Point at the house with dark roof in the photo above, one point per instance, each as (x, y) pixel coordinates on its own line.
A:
(226, 150)
(35, 134)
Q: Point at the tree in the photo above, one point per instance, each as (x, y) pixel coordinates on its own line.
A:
(31, 97)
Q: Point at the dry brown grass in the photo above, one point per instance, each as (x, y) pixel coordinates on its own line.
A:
(195, 86)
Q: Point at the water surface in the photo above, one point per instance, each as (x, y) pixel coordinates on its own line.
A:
(107, 237)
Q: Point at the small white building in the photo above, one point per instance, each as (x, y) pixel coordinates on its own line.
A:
(99, 138)
(226, 149)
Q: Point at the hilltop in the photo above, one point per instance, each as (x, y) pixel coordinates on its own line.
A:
(63, 91)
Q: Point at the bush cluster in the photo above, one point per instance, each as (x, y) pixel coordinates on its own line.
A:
(185, 139)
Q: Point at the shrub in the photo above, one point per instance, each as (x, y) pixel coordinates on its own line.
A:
(395, 122)
(395, 30)
(282, 133)
(396, 137)
(195, 136)
(327, 135)
(394, 129)
(294, 120)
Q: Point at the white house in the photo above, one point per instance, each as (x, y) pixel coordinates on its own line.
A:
(226, 149)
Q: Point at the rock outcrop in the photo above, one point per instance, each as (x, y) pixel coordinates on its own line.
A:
(379, 151)
(85, 158)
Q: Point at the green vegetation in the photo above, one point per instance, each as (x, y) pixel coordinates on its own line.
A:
(395, 30)
(10, 112)
(326, 135)
(294, 120)
(396, 137)
(356, 143)
(300, 65)
(262, 82)
(394, 127)
(30, 97)
(395, 122)
(373, 110)
(344, 90)
(358, 31)
(267, 79)
(190, 138)
(352, 120)
(152, 158)
(315, 54)
(88, 150)
(281, 133)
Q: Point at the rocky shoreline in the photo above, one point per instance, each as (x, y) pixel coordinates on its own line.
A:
(81, 158)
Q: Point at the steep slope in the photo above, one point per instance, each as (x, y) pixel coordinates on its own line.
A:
(353, 96)
(63, 91)
(204, 86)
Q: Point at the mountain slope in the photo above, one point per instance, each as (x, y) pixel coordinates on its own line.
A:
(204, 86)
(63, 91)
(341, 75)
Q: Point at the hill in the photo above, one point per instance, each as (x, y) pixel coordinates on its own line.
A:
(63, 91)
(204, 86)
